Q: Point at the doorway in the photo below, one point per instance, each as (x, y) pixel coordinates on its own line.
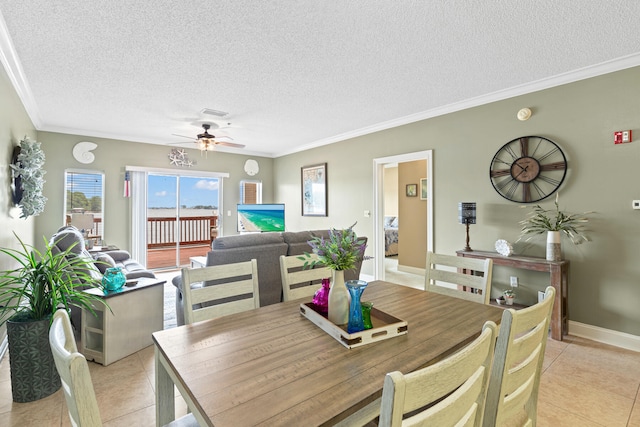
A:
(182, 218)
(425, 187)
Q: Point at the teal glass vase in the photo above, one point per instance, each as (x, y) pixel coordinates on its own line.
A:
(113, 279)
(356, 322)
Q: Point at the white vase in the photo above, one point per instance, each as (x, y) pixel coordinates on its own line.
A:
(338, 299)
(554, 250)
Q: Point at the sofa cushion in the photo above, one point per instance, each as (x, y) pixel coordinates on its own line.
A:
(268, 259)
(104, 261)
(119, 255)
(244, 240)
(68, 237)
(298, 241)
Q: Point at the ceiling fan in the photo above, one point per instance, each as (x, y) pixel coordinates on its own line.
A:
(207, 142)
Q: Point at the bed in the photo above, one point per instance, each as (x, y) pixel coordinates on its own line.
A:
(390, 235)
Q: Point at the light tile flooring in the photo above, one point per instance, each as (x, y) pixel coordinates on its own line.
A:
(584, 383)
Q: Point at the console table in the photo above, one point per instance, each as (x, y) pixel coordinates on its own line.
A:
(559, 279)
(137, 310)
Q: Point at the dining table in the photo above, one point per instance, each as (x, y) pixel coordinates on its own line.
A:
(272, 366)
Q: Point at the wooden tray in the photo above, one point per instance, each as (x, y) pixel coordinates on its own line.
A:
(385, 326)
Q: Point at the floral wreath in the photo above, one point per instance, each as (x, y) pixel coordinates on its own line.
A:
(29, 175)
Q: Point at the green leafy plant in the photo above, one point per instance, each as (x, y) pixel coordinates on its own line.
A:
(44, 282)
(341, 251)
(542, 220)
(509, 293)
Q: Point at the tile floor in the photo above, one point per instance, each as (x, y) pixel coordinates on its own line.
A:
(584, 383)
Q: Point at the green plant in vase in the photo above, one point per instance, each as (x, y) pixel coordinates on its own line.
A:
(554, 223)
(29, 295)
(340, 251)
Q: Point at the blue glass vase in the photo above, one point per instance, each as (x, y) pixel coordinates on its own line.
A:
(355, 288)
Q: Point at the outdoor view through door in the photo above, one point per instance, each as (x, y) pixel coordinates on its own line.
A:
(182, 218)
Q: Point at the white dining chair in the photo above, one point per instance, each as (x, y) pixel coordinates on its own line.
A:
(77, 387)
(449, 275)
(515, 376)
(300, 282)
(219, 290)
(453, 391)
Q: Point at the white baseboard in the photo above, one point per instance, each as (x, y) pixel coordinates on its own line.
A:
(606, 336)
(412, 270)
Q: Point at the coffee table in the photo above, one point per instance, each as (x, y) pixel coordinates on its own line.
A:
(137, 310)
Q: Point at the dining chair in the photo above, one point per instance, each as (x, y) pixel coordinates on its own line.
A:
(515, 376)
(464, 282)
(77, 387)
(300, 282)
(219, 290)
(450, 392)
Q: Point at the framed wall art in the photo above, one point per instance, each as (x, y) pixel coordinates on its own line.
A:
(424, 193)
(412, 190)
(314, 190)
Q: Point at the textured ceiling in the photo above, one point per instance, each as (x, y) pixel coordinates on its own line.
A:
(295, 74)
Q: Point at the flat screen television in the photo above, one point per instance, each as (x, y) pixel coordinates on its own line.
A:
(263, 217)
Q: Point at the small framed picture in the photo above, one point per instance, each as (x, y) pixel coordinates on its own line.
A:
(412, 190)
(314, 190)
(424, 193)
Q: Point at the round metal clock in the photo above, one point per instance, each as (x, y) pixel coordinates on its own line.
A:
(528, 169)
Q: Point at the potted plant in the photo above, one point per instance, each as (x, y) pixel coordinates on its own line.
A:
(509, 296)
(41, 283)
(554, 222)
(340, 252)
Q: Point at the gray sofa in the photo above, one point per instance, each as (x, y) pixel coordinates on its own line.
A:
(67, 236)
(266, 248)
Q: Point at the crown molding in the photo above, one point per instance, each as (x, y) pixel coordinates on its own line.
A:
(13, 68)
(607, 67)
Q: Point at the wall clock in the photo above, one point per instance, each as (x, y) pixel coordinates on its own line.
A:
(528, 169)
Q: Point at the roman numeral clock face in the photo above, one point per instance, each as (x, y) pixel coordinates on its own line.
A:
(528, 169)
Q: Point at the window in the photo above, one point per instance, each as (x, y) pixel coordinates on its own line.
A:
(84, 201)
(250, 192)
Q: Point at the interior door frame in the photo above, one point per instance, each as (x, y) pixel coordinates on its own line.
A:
(378, 201)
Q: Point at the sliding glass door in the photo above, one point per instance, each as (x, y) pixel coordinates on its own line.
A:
(182, 218)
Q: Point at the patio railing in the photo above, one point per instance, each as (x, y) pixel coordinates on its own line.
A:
(162, 232)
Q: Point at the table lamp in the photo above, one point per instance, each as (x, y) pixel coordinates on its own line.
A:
(467, 215)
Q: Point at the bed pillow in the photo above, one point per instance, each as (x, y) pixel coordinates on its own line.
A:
(388, 220)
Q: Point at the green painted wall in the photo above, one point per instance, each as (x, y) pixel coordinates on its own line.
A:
(14, 125)
(580, 117)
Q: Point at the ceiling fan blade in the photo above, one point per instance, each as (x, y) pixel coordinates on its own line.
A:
(184, 136)
(229, 144)
(216, 137)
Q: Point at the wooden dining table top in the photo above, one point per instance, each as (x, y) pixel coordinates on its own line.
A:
(272, 366)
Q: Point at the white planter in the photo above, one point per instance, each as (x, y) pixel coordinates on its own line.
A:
(554, 250)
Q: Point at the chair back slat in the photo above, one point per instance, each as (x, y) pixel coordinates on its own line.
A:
(219, 290)
(298, 282)
(450, 392)
(74, 373)
(517, 366)
(449, 275)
